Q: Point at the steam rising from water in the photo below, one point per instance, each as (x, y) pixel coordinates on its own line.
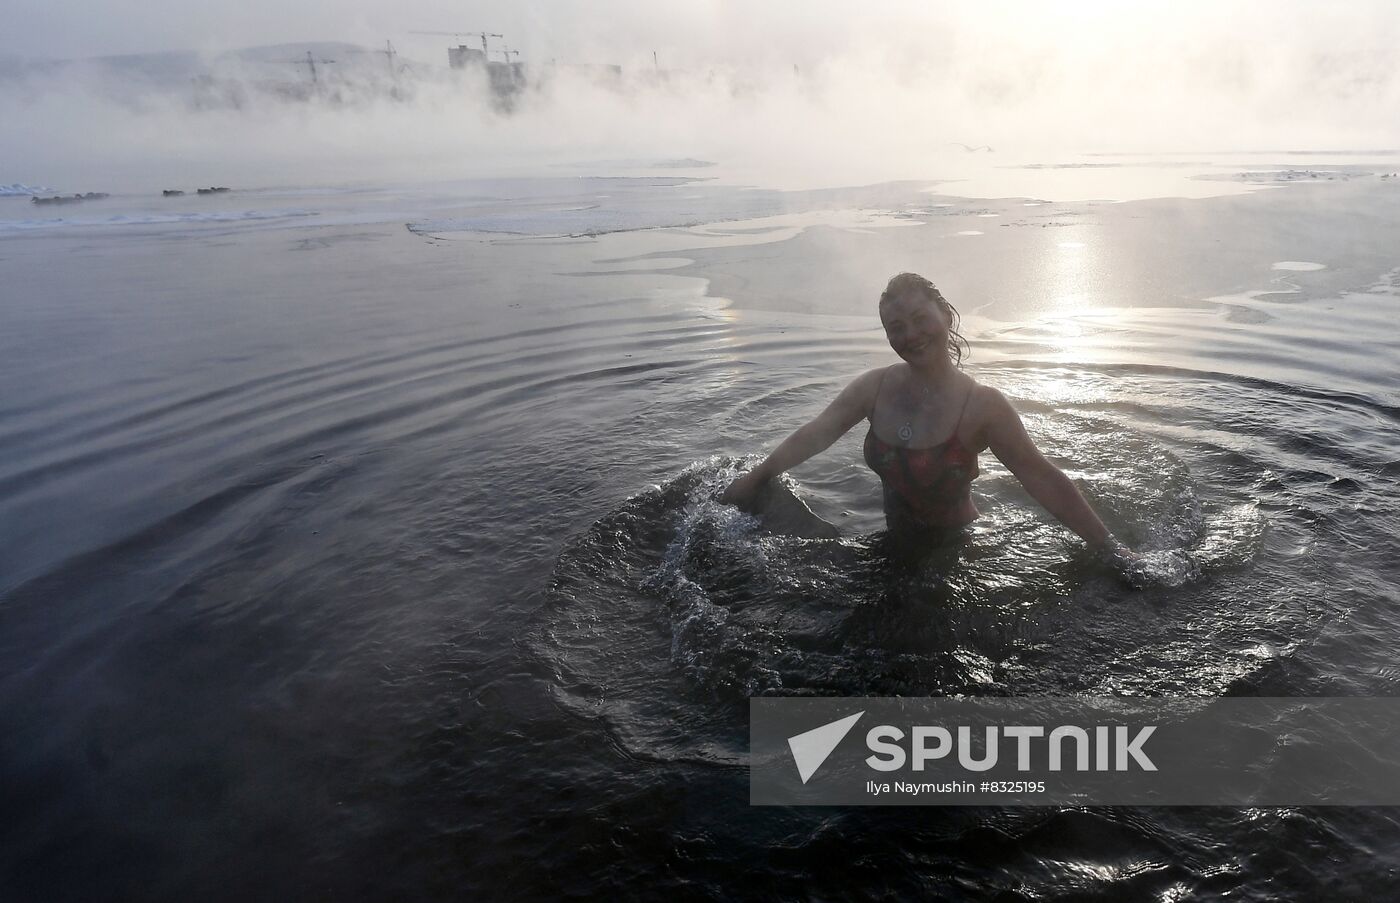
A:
(780, 96)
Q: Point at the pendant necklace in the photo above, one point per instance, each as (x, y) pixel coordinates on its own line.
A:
(906, 432)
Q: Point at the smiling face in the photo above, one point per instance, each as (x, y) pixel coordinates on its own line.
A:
(915, 324)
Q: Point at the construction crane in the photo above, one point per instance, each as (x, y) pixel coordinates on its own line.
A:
(506, 52)
(310, 62)
(389, 54)
(463, 34)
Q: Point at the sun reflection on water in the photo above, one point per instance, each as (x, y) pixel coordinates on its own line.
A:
(1071, 268)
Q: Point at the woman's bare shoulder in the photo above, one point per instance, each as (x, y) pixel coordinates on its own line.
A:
(871, 378)
(985, 398)
(987, 408)
(861, 392)
(866, 384)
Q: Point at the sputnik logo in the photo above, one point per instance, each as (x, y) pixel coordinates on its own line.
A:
(810, 749)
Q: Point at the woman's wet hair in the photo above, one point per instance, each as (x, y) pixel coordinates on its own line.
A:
(913, 282)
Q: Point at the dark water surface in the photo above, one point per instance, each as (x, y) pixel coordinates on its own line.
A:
(359, 563)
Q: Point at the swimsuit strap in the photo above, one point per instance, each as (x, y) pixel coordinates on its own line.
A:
(874, 405)
(962, 412)
(953, 436)
(880, 387)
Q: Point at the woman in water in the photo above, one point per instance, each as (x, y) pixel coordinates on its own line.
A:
(928, 422)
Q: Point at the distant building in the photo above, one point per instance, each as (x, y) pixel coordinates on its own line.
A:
(463, 57)
(507, 79)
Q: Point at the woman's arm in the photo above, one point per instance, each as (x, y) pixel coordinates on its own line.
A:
(1046, 483)
(852, 406)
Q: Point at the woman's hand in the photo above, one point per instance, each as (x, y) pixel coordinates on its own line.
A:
(1130, 565)
(1115, 553)
(742, 492)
